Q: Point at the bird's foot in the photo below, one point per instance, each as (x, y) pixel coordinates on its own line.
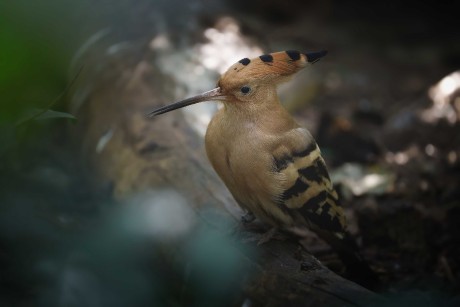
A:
(263, 237)
(248, 218)
(314, 245)
(271, 234)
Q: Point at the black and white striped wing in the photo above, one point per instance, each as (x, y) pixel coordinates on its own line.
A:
(308, 190)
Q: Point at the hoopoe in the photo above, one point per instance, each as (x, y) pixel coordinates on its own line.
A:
(271, 165)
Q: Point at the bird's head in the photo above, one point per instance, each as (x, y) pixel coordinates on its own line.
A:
(251, 80)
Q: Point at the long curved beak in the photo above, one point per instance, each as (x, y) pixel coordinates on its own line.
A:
(214, 94)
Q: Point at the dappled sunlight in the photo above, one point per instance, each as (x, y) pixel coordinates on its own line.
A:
(445, 104)
(160, 42)
(405, 156)
(104, 140)
(452, 157)
(197, 70)
(163, 215)
(430, 150)
(360, 180)
(401, 158)
(226, 45)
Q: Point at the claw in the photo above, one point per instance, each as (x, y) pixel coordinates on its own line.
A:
(248, 218)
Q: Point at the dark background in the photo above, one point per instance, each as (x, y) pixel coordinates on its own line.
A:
(370, 112)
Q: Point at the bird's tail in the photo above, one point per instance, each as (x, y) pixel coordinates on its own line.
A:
(357, 268)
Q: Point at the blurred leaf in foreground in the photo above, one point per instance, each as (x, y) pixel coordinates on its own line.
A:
(37, 114)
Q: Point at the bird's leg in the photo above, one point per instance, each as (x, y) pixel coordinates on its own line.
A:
(248, 217)
(311, 243)
(272, 233)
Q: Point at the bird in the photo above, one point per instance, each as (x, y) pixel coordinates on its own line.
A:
(271, 165)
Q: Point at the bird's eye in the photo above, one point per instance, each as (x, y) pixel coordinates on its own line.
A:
(245, 89)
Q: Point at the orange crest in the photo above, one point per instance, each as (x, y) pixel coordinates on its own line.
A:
(273, 67)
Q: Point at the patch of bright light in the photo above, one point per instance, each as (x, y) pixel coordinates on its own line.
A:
(445, 88)
(371, 181)
(368, 183)
(441, 95)
(163, 215)
(430, 150)
(226, 45)
(401, 158)
(160, 42)
(197, 69)
(412, 152)
(104, 140)
(452, 157)
(359, 181)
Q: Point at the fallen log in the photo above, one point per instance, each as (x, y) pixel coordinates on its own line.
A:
(127, 153)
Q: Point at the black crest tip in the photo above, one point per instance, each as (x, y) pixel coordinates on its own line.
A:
(266, 58)
(313, 57)
(245, 61)
(294, 55)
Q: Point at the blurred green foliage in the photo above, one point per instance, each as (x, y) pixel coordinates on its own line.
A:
(34, 54)
(37, 42)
